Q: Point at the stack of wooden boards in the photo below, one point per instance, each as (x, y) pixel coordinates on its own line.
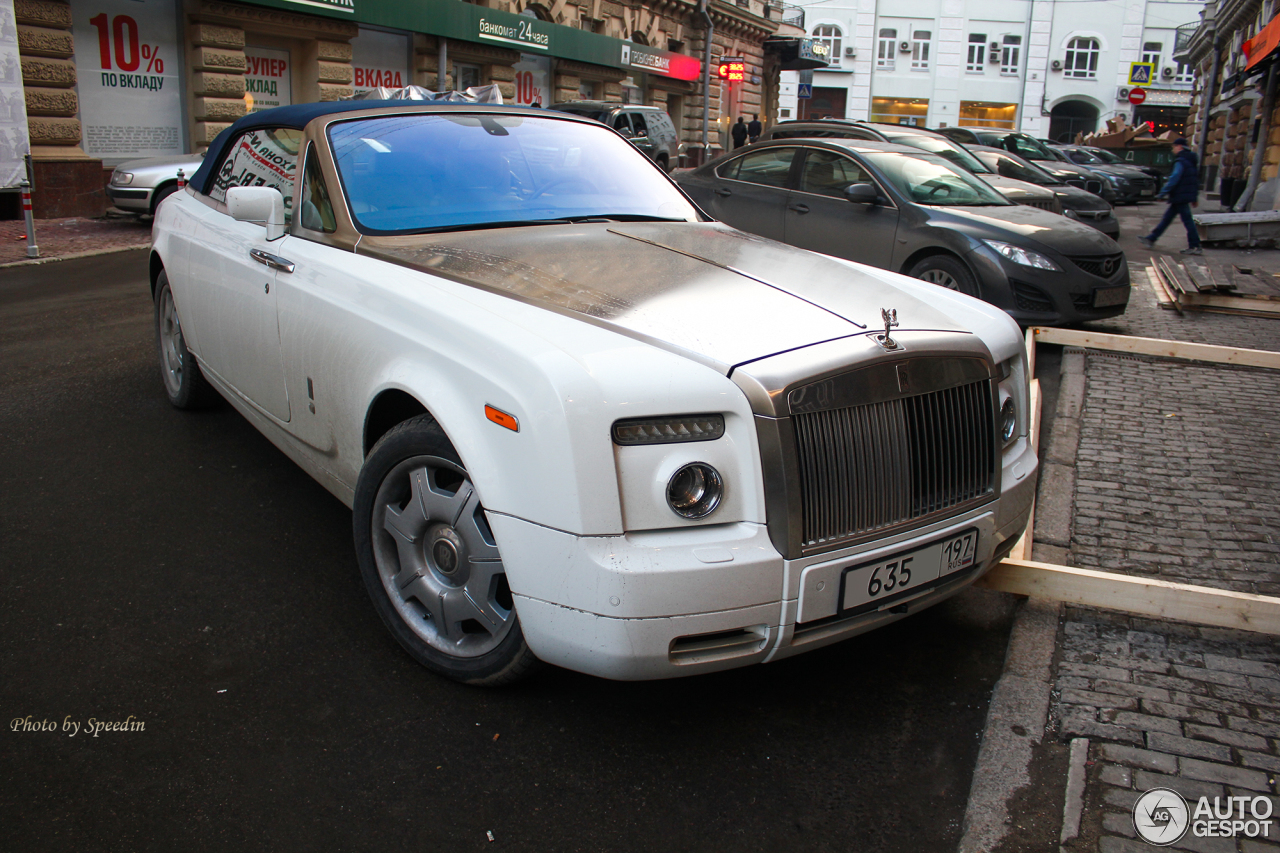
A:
(1224, 288)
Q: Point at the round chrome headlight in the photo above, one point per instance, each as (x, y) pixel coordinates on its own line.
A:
(694, 491)
(1008, 420)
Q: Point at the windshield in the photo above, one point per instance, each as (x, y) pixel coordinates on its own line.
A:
(929, 179)
(1107, 157)
(411, 173)
(1020, 170)
(943, 148)
(1084, 158)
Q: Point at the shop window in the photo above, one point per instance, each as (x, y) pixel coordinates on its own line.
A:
(587, 90)
(1082, 58)
(913, 112)
(316, 208)
(977, 53)
(886, 49)
(261, 158)
(920, 40)
(465, 76)
(829, 36)
(1010, 55)
(987, 114)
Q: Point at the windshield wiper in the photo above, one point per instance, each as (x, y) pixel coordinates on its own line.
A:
(623, 217)
(478, 226)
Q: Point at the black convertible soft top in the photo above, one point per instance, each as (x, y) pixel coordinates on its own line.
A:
(298, 116)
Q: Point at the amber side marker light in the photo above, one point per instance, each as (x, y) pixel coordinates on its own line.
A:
(502, 418)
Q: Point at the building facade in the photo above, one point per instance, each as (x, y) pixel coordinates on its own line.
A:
(1232, 49)
(112, 80)
(1050, 68)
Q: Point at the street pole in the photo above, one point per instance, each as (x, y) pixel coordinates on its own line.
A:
(1260, 147)
(33, 251)
(706, 72)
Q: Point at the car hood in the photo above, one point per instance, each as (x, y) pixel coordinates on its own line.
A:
(1026, 226)
(1060, 167)
(1016, 190)
(170, 164)
(1074, 198)
(706, 290)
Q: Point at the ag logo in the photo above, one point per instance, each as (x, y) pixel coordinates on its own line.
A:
(1161, 817)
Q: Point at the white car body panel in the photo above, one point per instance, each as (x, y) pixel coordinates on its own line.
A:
(606, 578)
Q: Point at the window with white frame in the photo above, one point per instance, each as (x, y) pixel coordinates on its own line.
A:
(977, 53)
(920, 40)
(1186, 74)
(829, 36)
(1082, 58)
(886, 49)
(1151, 53)
(1010, 54)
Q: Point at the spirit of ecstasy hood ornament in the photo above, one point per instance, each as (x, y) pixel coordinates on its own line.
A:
(890, 317)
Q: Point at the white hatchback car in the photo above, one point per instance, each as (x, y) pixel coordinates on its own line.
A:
(576, 420)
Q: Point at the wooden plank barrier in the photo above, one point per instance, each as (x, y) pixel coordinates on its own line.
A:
(1158, 347)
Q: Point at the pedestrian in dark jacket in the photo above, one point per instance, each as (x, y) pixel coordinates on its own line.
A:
(1182, 188)
(754, 128)
(739, 133)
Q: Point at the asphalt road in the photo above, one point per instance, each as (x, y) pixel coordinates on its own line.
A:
(177, 569)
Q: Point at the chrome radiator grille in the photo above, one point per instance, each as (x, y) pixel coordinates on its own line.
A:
(865, 469)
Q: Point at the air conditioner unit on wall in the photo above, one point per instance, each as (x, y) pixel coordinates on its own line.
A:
(851, 52)
(904, 46)
(1122, 94)
(1056, 65)
(994, 48)
(1166, 73)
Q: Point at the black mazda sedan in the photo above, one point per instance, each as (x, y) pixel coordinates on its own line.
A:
(902, 210)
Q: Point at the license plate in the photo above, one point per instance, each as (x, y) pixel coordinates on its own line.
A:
(901, 573)
(1148, 192)
(1105, 297)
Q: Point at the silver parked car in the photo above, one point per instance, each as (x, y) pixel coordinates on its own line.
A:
(138, 186)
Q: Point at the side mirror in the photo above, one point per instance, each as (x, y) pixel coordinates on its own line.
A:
(862, 193)
(263, 205)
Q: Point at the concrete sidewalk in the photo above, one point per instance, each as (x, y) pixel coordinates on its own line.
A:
(1171, 470)
(74, 237)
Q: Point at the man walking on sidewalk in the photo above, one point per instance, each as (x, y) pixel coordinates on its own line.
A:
(1182, 188)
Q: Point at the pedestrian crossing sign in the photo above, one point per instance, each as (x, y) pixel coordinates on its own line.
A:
(1142, 73)
(805, 90)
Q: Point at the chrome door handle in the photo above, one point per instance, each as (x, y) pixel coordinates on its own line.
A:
(274, 261)
(722, 192)
(798, 208)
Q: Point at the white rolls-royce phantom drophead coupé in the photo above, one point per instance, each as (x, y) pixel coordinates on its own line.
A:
(575, 419)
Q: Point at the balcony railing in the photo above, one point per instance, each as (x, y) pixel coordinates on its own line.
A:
(1183, 36)
(785, 13)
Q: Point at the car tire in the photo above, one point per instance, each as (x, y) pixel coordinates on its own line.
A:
(429, 560)
(160, 195)
(184, 384)
(945, 271)
(664, 162)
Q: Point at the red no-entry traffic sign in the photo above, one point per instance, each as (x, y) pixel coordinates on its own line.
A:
(1137, 96)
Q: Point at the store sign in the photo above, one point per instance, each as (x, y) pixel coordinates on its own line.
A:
(524, 32)
(663, 62)
(14, 144)
(331, 5)
(533, 80)
(127, 64)
(266, 78)
(813, 50)
(380, 59)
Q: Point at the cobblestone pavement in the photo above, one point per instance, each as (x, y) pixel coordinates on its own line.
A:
(59, 238)
(1175, 471)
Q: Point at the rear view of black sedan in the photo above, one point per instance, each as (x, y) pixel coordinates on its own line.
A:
(906, 211)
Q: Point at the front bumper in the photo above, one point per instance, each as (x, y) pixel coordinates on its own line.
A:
(680, 602)
(1042, 297)
(132, 199)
